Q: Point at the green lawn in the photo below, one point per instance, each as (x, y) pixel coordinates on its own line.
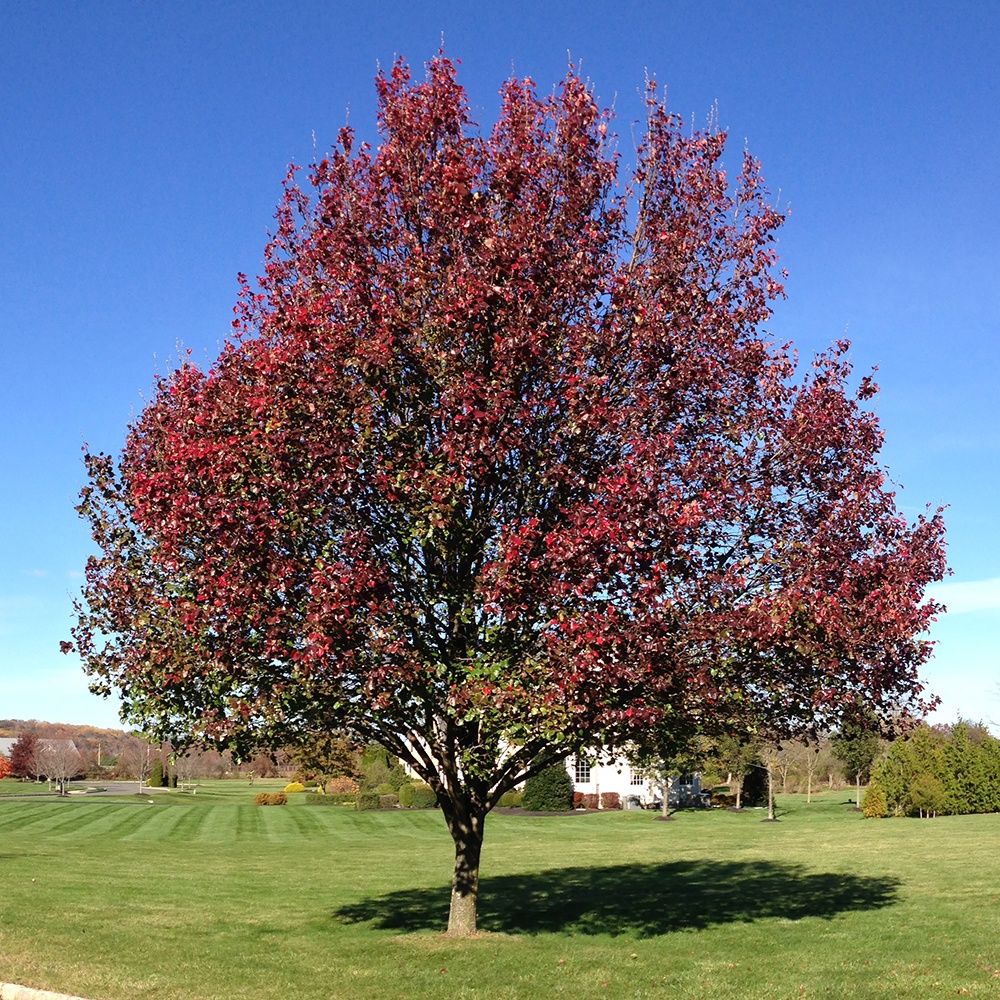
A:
(12, 786)
(208, 896)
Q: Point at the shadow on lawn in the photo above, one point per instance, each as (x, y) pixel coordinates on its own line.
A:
(645, 900)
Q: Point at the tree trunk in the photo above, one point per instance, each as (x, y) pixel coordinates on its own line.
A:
(770, 793)
(467, 832)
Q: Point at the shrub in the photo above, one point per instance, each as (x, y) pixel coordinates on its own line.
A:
(342, 786)
(578, 800)
(388, 801)
(336, 799)
(271, 799)
(424, 797)
(723, 799)
(406, 795)
(928, 794)
(550, 790)
(156, 777)
(589, 800)
(611, 800)
(366, 801)
(294, 787)
(511, 799)
(754, 788)
(173, 780)
(874, 805)
(4, 767)
(398, 776)
(385, 789)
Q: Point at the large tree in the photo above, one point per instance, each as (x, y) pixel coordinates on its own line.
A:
(500, 464)
(22, 756)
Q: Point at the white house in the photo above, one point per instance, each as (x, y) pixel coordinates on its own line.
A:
(635, 788)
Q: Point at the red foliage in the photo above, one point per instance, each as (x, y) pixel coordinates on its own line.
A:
(270, 799)
(5, 770)
(341, 786)
(500, 456)
(590, 800)
(611, 800)
(22, 756)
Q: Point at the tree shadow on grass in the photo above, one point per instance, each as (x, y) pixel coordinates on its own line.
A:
(644, 900)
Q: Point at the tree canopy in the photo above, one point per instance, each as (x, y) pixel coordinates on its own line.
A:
(500, 464)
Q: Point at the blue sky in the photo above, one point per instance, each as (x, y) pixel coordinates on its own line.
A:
(142, 148)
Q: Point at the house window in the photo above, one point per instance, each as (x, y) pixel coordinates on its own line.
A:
(638, 779)
(581, 770)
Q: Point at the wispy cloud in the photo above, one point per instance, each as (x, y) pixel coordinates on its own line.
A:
(973, 595)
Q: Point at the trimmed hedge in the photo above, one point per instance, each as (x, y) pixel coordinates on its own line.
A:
(550, 790)
(424, 797)
(344, 799)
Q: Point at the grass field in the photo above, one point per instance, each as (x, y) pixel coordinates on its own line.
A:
(207, 896)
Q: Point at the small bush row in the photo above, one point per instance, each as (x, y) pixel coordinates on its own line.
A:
(373, 800)
(317, 799)
(590, 800)
(410, 796)
(270, 799)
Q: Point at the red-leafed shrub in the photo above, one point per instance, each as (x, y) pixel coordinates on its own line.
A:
(590, 800)
(271, 799)
(611, 800)
(4, 767)
(341, 786)
(578, 800)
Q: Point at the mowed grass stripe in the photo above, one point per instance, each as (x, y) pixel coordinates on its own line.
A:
(17, 816)
(131, 820)
(250, 824)
(66, 818)
(305, 820)
(191, 820)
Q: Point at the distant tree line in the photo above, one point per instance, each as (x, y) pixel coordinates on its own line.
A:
(935, 771)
